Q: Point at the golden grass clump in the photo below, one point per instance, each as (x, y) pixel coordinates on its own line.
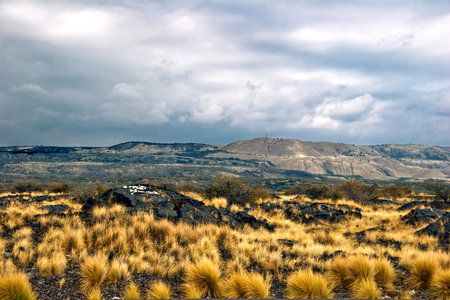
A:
(7, 266)
(246, 285)
(422, 270)
(15, 286)
(118, 271)
(53, 265)
(366, 288)
(307, 285)
(23, 250)
(337, 274)
(385, 274)
(159, 290)
(132, 291)
(360, 267)
(93, 271)
(440, 285)
(204, 276)
(94, 294)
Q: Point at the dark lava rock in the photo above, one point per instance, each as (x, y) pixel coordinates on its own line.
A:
(325, 256)
(433, 204)
(176, 207)
(317, 211)
(440, 228)
(55, 209)
(47, 198)
(425, 215)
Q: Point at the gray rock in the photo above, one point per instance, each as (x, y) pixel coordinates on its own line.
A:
(425, 215)
(55, 209)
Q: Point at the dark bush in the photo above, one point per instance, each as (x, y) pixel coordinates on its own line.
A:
(357, 191)
(60, 187)
(4, 188)
(234, 190)
(394, 191)
(440, 189)
(312, 191)
(27, 186)
(90, 190)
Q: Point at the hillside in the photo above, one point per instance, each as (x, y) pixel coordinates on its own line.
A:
(261, 157)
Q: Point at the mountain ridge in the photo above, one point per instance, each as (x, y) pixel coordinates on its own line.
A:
(262, 157)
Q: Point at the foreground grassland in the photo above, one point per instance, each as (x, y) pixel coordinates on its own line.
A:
(132, 255)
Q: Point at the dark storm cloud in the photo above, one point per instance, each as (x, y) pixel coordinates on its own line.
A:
(97, 73)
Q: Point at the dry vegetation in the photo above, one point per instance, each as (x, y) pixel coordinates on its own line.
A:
(134, 255)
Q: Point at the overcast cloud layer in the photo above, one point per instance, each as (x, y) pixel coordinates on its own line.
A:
(105, 72)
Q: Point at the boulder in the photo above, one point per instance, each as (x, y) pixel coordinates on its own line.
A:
(440, 228)
(55, 209)
(317, 211)
(425, 215)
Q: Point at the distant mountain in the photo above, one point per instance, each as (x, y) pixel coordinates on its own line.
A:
(326, 158)
(260, 157)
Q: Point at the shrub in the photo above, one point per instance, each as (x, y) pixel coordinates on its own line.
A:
(357, 191)
(27, 186)
(205, 277)
(440, 189)
(159, 290)
(15, 286)
(312, 191)
(422, 270)
(394, 191)
(440, 285)
(234, 190)
(365, 289)
(306, 284)
(61, 187)
(132, 291)
(93, 271)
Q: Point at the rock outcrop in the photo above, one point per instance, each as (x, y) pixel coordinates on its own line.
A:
(440, 228)
(176, 207)
(425, 215)
(314, 212)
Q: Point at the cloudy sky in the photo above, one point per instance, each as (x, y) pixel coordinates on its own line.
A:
(104, 72)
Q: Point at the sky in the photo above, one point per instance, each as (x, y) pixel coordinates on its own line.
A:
(98, 72)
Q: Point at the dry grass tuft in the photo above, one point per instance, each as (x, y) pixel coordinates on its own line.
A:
(132, 291)
(246, 285)
(53, 265)
(337, 274)
(358, 268)
(306, 284)
(23, 250)
(93, 271)
(366, 288)
(15, 286)
(118, 271)
(440, 285)
(204, 276)
(94, 294)
(385, 274)
(159, 290)
(422, 270)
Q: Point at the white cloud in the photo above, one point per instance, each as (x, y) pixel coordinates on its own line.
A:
(30, 89)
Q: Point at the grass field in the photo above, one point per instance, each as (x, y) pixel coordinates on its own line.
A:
(132, 255)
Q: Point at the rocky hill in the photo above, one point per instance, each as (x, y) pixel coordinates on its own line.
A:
(261, 157)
